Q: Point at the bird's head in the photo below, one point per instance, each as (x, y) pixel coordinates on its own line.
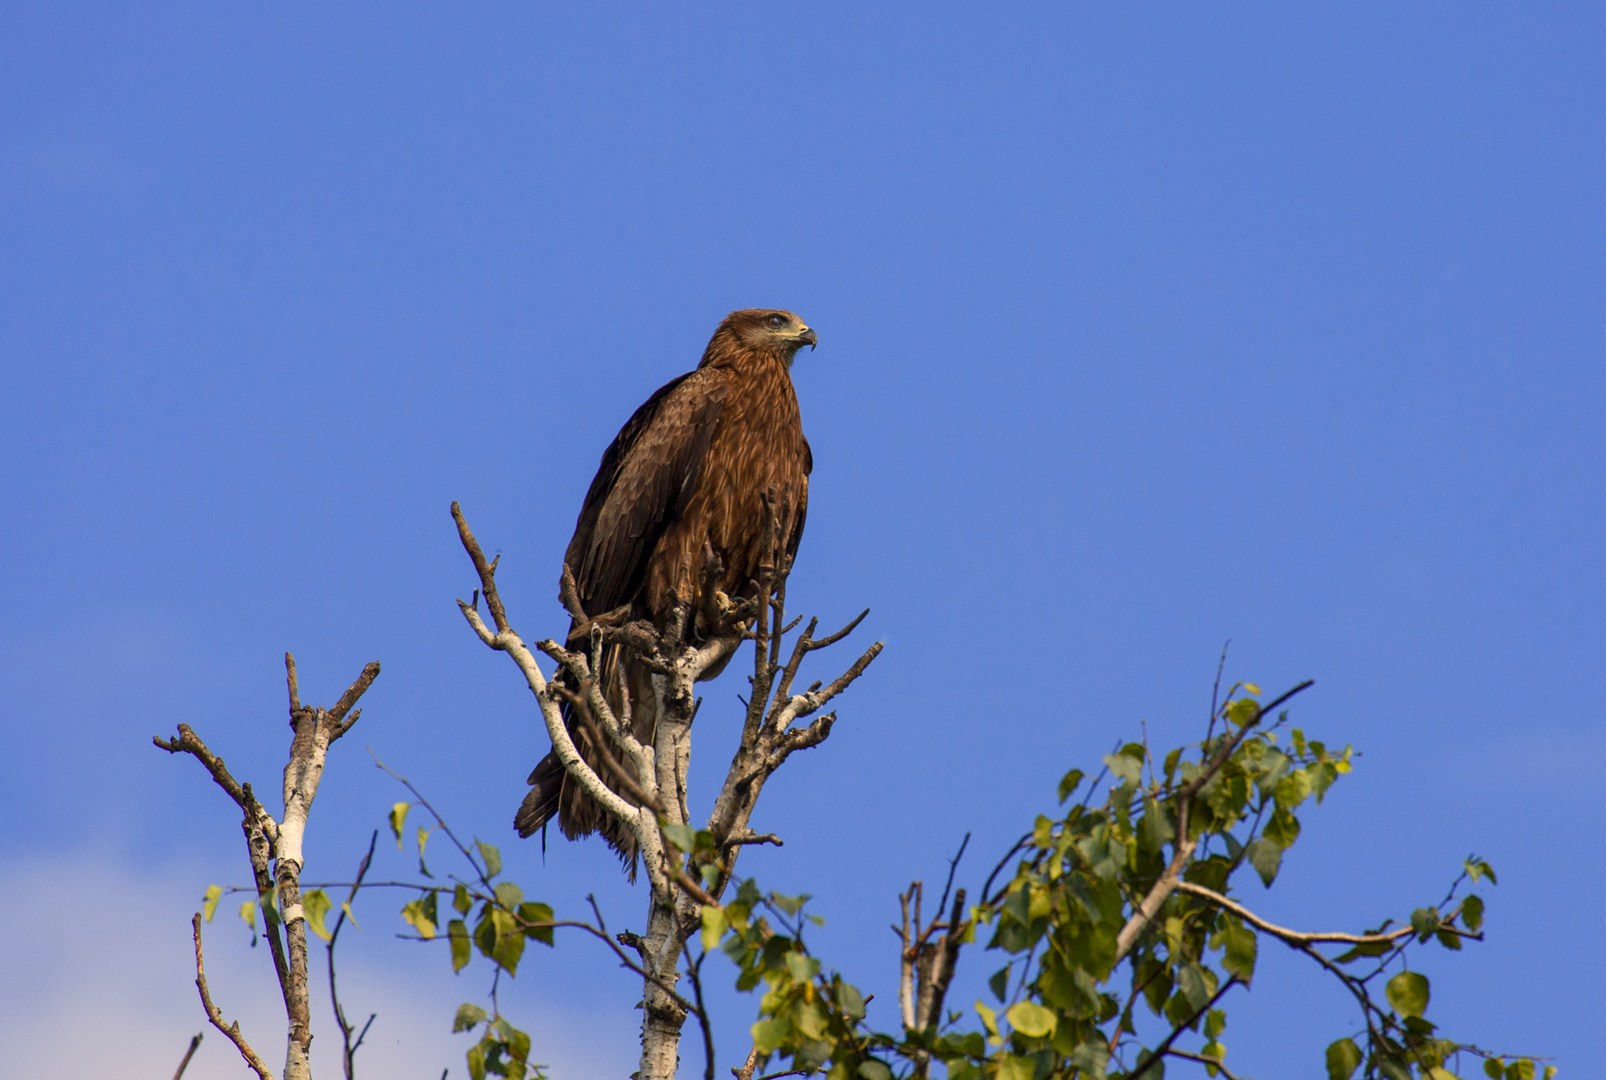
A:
(770, 330)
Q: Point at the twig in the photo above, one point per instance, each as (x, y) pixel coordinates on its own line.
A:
(1165, 1047)
(214, 1014)
(694, 969)
(953, 865)
(349, 1048)
(195, 1042)
(439, 821)
(486, 571)
(753, 838)
(1201, 1059)
(986, 889)
(1215, 690)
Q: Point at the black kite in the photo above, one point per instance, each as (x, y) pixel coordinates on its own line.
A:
(687, 473)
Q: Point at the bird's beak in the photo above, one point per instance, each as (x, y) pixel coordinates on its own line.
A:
(808, 337)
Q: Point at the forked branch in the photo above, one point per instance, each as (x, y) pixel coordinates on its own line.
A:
(214, 1014)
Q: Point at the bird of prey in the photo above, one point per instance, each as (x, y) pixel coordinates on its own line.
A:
(687, 474)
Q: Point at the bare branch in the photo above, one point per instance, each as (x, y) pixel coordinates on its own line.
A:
(1295, 937)
(195, 1042)
(214, 1014)
(694, 969)
(750, 837)
(569, 595)
(831, 639)
(291, 682)
(349, 698)
(1158, 894)
(487, 573)
(349, 1048)
(1164, 1048)
(749, 1067)
(188, 742)
(1201, 1059)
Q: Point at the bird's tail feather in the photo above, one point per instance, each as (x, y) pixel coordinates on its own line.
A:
(554, 793)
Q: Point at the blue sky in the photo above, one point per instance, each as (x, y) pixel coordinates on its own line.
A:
(1141, 328)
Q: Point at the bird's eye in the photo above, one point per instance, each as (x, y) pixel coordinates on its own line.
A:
(776, 321)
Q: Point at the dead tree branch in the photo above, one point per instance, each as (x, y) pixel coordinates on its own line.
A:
(214, 1014)
(348, 1053)
(275, 851)
(194, 1045)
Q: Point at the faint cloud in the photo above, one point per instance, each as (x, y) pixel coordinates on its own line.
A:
(99, 974)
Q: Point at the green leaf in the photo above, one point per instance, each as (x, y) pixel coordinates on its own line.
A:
(802, 968)
(1015, 1067)
(1477, 868)
(874, 1070)
(789, 904)
(1243, 711)
(533, 913)
(1266, 857)
(1282, 829)
(1343, 1058)
(413, 912)
(509, 895)
(1241, 945)
(999, 983)
(398, 817)
(1031, 1019)
(492, 857)
(770, 1035)
(457, 931)
(1408, 993)
(1157, 830)
(1370, 948)
(1069, 782)
(1191, 982)
(460, 901)
(849, 1002)
(714, 925)
(209, 905)
(468, 1015)
(1425, 921)
(1215, 1023)
(1090, 1057)
(1472, 913)
(1492, 1069)
(316, 904)
(1521, 1069)
(1127, 768)
(248, 912)
(683, 837)
(1171, 760)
